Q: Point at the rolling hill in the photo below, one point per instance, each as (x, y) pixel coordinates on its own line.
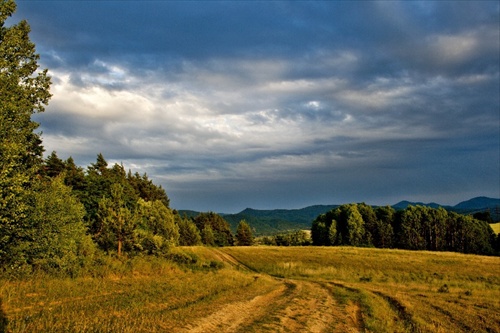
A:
(478, 204)
(270, 222)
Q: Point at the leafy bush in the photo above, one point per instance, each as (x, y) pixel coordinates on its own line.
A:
(182, 258)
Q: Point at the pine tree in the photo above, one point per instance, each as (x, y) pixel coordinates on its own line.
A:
(75, 177)
(53, 166)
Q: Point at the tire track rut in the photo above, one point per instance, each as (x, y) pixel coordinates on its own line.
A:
(293, 306)
(312, 307)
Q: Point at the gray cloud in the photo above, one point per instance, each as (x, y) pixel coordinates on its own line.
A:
(278, 104)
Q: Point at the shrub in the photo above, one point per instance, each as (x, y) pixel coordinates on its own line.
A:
(182, 258)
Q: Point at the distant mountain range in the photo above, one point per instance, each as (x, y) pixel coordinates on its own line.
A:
(270, 222)
(478, 204)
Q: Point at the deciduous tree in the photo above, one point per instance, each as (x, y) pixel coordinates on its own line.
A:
(207, 235)
(244, 235)
(189, 234)
(24, 90)
(158, 226)
(58, 239)
(355, 226)
(220, 227)
(116, 223)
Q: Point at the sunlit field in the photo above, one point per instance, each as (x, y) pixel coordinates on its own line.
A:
(265, 289)
(396, 290)
(143, 295)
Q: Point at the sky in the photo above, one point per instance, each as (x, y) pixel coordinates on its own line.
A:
(270, 104)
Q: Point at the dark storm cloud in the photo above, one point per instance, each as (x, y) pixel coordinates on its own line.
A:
(278, 104)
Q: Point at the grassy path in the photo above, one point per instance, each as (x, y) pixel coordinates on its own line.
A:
(293, 306)
(298, 306)
(319, 306)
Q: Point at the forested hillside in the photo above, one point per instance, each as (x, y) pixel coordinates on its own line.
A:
(271, 222)
(468, 207)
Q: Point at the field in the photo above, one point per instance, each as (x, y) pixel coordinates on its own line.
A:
(495, 227)
(266, 289)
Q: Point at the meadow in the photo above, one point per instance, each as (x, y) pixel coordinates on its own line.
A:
(264, 289)
(396, 290)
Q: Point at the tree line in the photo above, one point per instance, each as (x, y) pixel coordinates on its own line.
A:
(128, 212)
(414, 228)
(76, 213)
(57, 216)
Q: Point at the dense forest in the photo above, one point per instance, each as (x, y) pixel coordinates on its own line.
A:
(56, 216)
(414, 228)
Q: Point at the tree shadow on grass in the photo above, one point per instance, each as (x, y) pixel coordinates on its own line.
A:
(3, 319)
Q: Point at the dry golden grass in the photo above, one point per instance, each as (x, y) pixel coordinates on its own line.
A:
(267, 289)
(427, 291)
(152, 295)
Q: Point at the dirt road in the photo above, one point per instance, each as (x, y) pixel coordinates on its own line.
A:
(293, 306)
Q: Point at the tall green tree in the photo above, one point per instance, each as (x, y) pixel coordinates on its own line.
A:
(189, 234)
(350, 225)
(98, 184)
(58, 241)
(145, 188)
(156, 223)
(411, 235)
(324, 230)
(207, 235)
(332, 233)
(24, 90)
(320, 233)
(434, 225)
(116, 223)
(75, 177)
(383, 237)
(370, 223)
(53, 165)
(219, 226)
(355, 226)
(244, 234)
(158, 219)
(100, 166)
